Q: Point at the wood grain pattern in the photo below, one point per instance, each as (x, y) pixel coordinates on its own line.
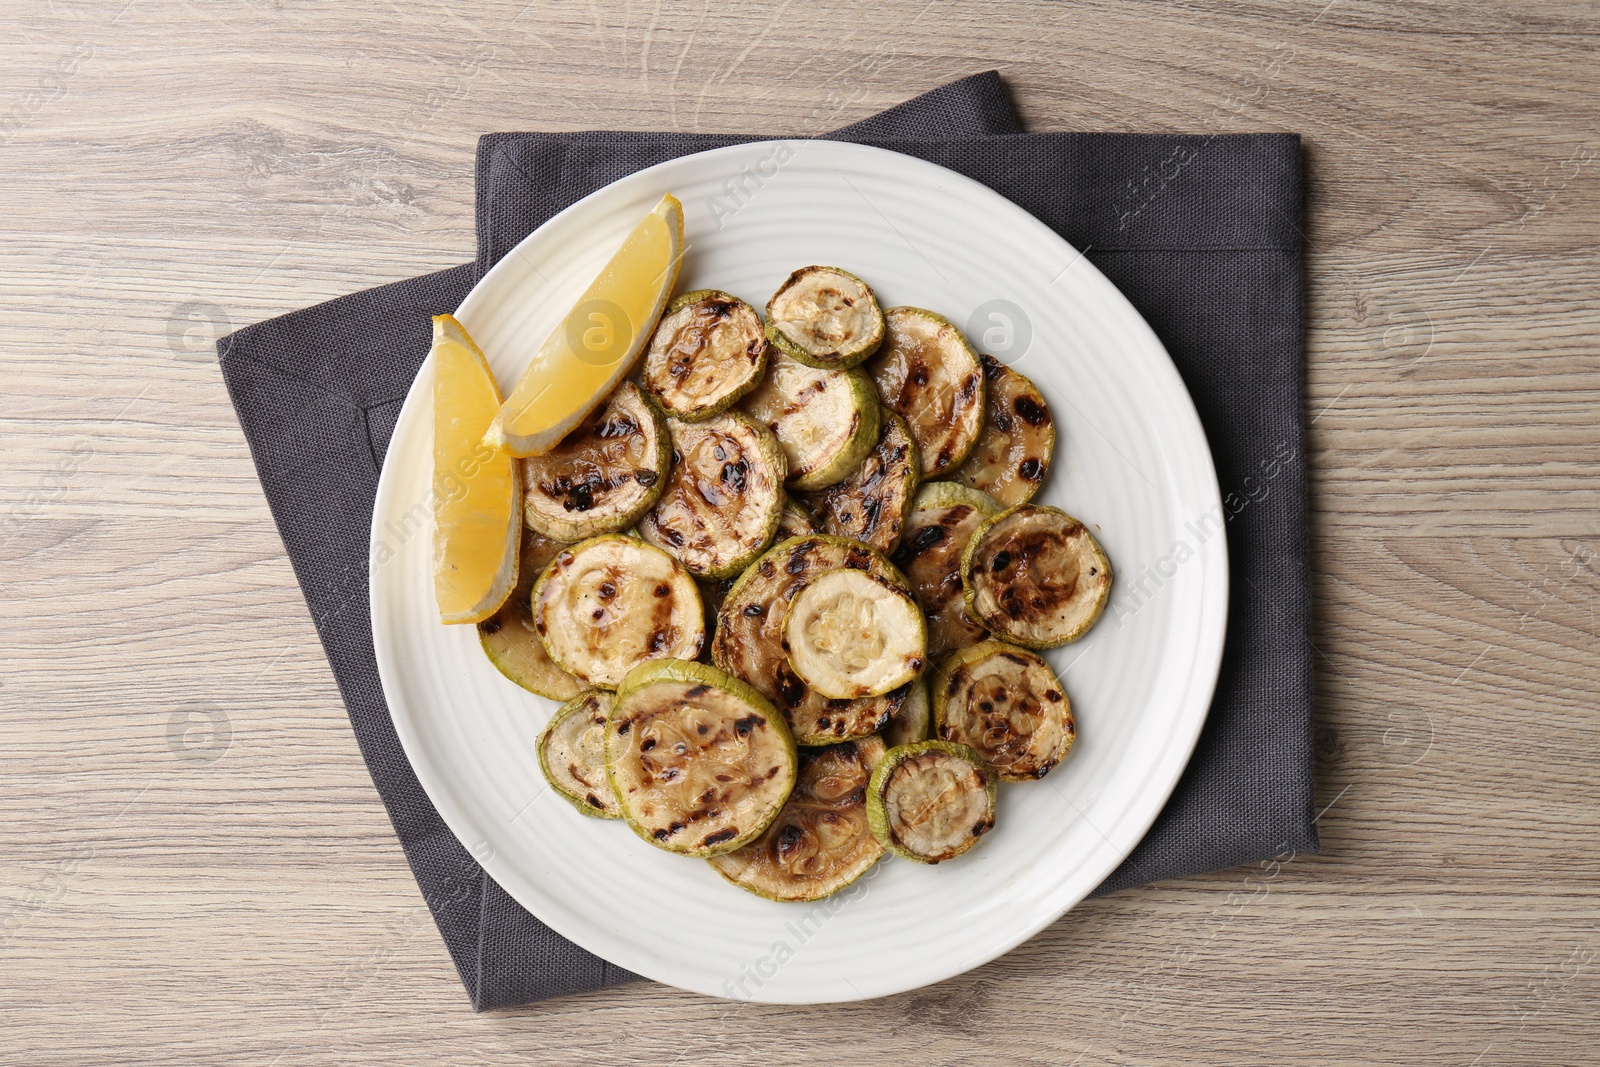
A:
(194, 867)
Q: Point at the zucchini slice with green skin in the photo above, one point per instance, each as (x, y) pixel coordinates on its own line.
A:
(796, 521)
(825, 317)
(700, 763)
(820, 841)
(606, 605)
(724, 498)
(927, 372)
(1007, 704)
(1035, 576)
(826, 421)
(749, 637)
(511, 640)
(943, 517)
(1013, 453)
(872, 502)
(851, 634)
(931, 801)
(603, 475)
(572, 754)
(707, 352)
(912, 722)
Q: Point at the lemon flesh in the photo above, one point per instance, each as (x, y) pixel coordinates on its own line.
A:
(477, 490)
(599, 341)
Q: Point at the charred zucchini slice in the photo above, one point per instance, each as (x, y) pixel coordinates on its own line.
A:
(851, 634)
(820, 841)
(700, 763)
(796, 521)
(511, 640)
(826, 421)
(707, 352)
(931, 801)
(609, 604)
(871, 503)
(572, 754)
(1014, 451)
(749, 638)
(603, 475)
(927, 372)
(1006, 703)
(724, 497)
(943, 517)
(911, 723)
(1035, 576)
(825, 317)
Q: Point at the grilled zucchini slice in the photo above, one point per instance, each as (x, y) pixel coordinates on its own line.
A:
(820, 841)
(1006, 703)
(700, 763)
(851, 634)
(603, 475)
(707, 352)
(910, 724)
(572, 754)
(724, 498)
(1035, 576)
(871, 504)
(826, 421)
(931, 801)
(796, 521)
(606, 605)
(749, 638)
(509, 637)
(927, 372)
(1018, 441)
(943, 517)
(825, 317)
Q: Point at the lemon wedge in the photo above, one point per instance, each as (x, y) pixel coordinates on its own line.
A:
(477, 490)
(599, 341)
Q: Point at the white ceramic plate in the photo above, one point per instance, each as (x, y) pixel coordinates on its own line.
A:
(1131, 459)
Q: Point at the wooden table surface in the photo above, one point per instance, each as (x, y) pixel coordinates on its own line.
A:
(194, 867)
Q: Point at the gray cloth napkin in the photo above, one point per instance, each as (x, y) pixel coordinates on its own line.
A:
(1202, 235)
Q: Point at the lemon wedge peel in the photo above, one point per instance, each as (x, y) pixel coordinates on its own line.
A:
(477, 490)
(599, 341)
